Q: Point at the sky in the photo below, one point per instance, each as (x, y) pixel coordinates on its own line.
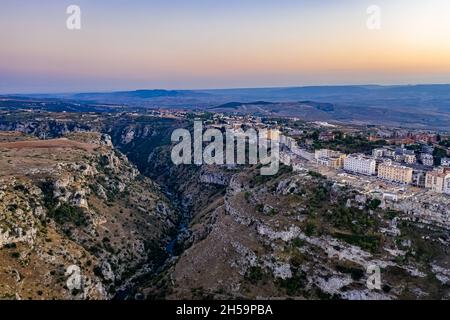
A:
(205, 44)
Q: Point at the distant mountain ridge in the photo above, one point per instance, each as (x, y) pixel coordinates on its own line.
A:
(125, 96)
(284, 109)
(355, 93)
(421, 106)
(236, 105)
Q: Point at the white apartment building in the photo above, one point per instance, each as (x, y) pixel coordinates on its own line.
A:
(360, 164)
(427, 159)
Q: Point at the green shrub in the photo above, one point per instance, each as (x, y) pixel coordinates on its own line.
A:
(374, 204)
(355, 273)
(254, 274)
(68, 214)
(366, 242)
(310, 229)
(297, 242)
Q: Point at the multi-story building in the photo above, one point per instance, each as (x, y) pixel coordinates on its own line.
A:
(388, 152)
(399, 157)
(321, 153)
(438, 181)
(378, 153)
(326, 153)
(418, 178)
(395, 172)
(447, 184)
(358, 163)
(330, 158)
(332, 162)
(410, 158)
(427, 159)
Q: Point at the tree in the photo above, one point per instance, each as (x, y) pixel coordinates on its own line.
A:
(374, 204)
(438, 154)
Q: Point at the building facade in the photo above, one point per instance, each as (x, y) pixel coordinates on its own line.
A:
(330, 158)
(410, 158)
(360, 164)
(447, 184)
(326, 153)
(419, 177)
(438, 181)
(395, 173)
(378, 153)
(427, 159)
(332, 162)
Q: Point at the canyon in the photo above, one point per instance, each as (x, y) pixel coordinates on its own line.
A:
(98, 211)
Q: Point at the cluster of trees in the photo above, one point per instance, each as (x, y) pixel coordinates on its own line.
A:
(347, 144)
(445, 143)
(438, 154)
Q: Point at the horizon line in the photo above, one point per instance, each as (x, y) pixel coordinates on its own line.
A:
(224, 88)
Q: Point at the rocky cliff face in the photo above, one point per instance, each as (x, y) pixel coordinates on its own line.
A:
(77, 220)
(45, 128)
(427, 207)
(301, 236)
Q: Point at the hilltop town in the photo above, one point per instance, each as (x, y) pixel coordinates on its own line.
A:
(391, 164)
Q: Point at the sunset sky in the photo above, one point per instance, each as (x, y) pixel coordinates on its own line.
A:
(201, 44)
